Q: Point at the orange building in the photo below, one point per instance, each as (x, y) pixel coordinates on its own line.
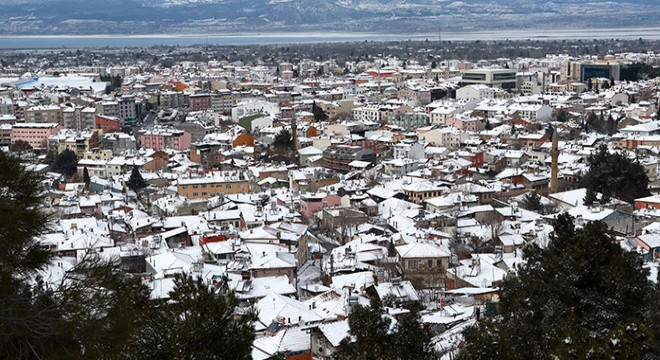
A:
(243, 140)
(213, 184)
(310, 132)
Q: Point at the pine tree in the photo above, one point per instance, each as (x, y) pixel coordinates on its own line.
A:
(561, 116)
(590, 197)
(283, 140)
(30, 323)
(370, 336)
(614, 175)
(319, 114)
(66, 163)
(196, 324)
(532, 202)
(86, 178)
(611, 125)
(582, 297)
(136, 181)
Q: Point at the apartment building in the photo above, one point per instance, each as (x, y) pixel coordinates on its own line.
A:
(35, 134)
(213, 184)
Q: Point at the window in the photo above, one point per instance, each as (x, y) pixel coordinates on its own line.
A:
(413, 264)
(195, 186)
(203, 186)
(430, 264)
(228, 186)
(194, 194)
(439, 263)
(204, 193)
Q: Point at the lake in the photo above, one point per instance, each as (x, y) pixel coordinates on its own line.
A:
(101, 41)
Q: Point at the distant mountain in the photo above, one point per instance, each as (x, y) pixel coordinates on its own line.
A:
(46, 17)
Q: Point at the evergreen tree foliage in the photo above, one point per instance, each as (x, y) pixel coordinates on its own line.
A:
(20, 146)
(561, 116)
(598, 124)
(86, 178)
(65, 163)
(614, 175)
(136, 182)
(97, 311)
(590, 197)
(283, 140)
(532, 202)
(319, 114)
(611, 125)
(372, 336)
(105, 309)
(196, 324)
(29, 320)
(583, 297)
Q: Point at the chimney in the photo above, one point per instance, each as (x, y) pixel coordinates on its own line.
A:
(554, 153)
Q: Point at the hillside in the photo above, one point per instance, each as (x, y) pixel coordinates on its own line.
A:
(391, 16)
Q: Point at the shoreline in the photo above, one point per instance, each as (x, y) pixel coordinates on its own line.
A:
(19, 42)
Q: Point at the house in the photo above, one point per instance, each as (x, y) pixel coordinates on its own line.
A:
(400, 166)
(423, 263)
(398, 291)
(326, 338)
(313, 203)
(339, 157)
(648, 202)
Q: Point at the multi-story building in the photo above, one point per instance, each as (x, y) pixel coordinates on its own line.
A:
(197, 129)
(79, 118)
(44, 114)
(107, 124)
(213, 184)
(165, 138)
(5, 134)
(35, 134)
(79, 142)
(339, 157)
(409, 121)
(200, 102)
(127, 107)
(172, 99)
(109, 108)
(498, 78)
(222, 101)
(6, 106)
(118, 142)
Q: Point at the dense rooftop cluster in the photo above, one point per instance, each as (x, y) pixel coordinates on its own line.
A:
(308, 188)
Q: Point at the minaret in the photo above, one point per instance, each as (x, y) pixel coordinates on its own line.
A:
(554, 153)
(294, 138)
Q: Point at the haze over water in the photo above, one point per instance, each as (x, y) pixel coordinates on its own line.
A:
(100, 41)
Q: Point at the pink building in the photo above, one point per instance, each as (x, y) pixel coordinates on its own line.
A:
(465, 123)
(160, 138)
(35, 134)
(312, 203)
